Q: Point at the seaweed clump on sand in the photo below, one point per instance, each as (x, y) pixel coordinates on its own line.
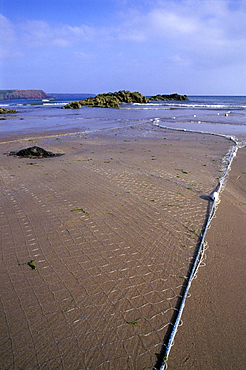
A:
(34, 152)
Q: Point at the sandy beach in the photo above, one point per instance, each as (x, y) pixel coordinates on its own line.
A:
(111, 227)
(213, 331)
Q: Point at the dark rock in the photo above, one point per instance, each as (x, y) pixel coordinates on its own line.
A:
(34, 152)
(74, 105)
(168, 97)
(109, 100)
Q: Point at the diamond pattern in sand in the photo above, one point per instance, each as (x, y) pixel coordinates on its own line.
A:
(112, 241)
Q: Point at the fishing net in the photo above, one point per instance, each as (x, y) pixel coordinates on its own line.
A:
(96, 245)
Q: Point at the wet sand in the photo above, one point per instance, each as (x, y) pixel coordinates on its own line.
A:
(112, 226)
(214, 327)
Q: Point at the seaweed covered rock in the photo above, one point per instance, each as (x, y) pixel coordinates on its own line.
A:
(34, 152)
(109, 100)
(168, 97)
(5, 110)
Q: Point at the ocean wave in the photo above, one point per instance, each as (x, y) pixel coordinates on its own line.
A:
(61, 103)
(191, 105)
(144, 108)
(209, 106)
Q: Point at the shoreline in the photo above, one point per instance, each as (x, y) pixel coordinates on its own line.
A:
(135, 194)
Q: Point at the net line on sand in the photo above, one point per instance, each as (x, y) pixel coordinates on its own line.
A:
(112, 235)
(161, 363)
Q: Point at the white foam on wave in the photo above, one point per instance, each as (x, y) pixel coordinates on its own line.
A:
(141, 104)
(175, 104)
(142, 107)
(54, 104)
(211, 106)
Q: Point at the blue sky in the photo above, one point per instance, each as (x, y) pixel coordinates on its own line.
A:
(193, 47)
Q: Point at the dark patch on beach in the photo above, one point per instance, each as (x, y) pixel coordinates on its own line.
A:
(34, 152)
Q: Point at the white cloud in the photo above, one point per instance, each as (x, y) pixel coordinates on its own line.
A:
(41, 34)
(8, 39)
(17, 39)
(82, 55)
(168, 23)
(206, 32)
(7, 30)
(198, 33)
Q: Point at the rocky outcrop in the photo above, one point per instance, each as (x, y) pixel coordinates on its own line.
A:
(23, 94)
(5, 110)
(168, 97)
(109, 100)
(113, 100)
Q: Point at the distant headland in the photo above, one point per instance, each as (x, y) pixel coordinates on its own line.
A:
(23, 94)
(113, 100)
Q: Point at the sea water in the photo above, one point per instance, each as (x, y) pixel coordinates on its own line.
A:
(214, 114)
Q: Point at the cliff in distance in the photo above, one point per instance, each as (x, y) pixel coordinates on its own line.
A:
(23, 94)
